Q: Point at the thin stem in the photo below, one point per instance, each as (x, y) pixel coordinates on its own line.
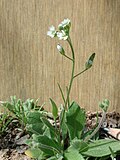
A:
(68, 57)
(97, 128)
(80, 73)
(70, 43)
(69, 97)
(72, 74)
(62, 94)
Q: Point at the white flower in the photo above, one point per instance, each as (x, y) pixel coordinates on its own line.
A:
(51, 32)
(60, 49)
(62, 35)
(64, 24)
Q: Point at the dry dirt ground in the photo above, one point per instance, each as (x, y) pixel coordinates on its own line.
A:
(12, 154)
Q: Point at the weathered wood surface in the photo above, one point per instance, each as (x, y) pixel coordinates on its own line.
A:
(30, 65)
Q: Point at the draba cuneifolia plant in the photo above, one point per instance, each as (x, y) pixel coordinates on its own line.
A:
(64, 138)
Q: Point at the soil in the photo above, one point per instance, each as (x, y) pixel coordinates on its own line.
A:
(112, 119)
(12, 141)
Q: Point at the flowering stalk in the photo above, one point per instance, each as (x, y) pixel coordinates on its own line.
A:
(63, 34)
(72, 74)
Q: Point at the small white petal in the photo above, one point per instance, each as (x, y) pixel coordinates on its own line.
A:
(51, 32)
(62, 35)
(59, 35)
(65, 23)
(52, 28)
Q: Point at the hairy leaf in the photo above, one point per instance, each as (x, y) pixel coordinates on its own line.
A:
(75, 117)
(100, 148)
(34, 153)
(63, 126)
(79, 145)
(54, 109)
(47, 145)
(35, 125)
(52, 131)
(73, 155)
(104, 104)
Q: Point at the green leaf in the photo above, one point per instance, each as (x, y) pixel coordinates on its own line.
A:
(54, 109)
(28, 105)
(34, 123)
(47, 145)
(48, 133)
(34, 153)
(79, 145)
(48, 124)
(104, 104)
(89, 63)
(36, 128)
(100, 148)
(51, 158)
(76, 118)
(61, 92)
(52, 130)
(73, 155)
(112, 153)
(56, 157)
(34, 117)
(63, 126)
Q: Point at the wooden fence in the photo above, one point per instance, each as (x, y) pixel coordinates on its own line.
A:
(30, 65)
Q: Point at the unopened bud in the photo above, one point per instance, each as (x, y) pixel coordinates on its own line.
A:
(89, 63)
(60, 49)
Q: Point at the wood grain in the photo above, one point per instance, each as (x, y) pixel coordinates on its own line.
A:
(30, 65)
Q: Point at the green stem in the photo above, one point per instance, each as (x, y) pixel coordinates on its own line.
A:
(69, 97)
(62, 94)
(68, 57)
(97, 128)
(80, 73)
(72, 74)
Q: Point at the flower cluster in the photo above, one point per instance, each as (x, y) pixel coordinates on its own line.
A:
(63, 32)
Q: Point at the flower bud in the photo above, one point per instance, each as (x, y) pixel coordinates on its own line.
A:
(89, 63)
(60, 49)
(60, 27)
(104, 104)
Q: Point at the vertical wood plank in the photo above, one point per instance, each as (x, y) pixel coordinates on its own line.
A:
(30, 65)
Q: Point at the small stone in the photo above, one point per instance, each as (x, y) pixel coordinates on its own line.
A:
(89, 122)
(104, 125)
(112, 124)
